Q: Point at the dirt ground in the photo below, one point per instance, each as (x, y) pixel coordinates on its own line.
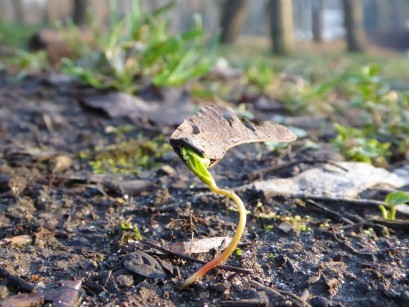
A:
(59, 222)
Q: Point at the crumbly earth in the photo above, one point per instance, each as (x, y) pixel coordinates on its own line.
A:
(58, 222)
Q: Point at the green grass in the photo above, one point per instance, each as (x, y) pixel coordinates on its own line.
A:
(139, 48)
(15, 35)
(365, 94)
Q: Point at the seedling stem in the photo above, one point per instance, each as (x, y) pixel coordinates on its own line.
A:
(198, 165)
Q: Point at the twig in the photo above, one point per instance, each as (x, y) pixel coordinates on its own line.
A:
(381, 251)
(367, 202)
(380, 227)
(186, 257)
(16, 281)
(280, 293)
(331, 212)
(274, 168)
(402, 225)
(363, 202)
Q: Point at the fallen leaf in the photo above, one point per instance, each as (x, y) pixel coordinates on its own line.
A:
(134, 187)
(172, 110)
(17, 240)
(200, 246)
(331, 181)
(61, 163)
(23, 300)
(66, 295)
(285, 226)
(17, 185)
(313, 279)
(143, 264)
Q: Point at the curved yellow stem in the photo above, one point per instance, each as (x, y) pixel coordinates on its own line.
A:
(233, 244)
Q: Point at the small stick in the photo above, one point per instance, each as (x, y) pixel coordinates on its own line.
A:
(330, 212)
(368, 202)
(17, 281)
(378, 252)
(278, 292)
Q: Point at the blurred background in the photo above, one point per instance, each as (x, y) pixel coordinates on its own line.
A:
(361, 23)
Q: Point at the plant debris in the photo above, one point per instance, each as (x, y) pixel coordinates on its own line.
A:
(69, 218)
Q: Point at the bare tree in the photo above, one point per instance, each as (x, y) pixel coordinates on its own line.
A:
(281, 26)
(79, 12)
(317, 22)
(3, 11)
(18, 10)
(232, 19)
(376, 15)
(398, 13)
(353, 21)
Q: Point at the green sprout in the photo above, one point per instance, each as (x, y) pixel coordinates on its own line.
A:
(356, 145)
(392, 200)
(139, 47)
(198, 165)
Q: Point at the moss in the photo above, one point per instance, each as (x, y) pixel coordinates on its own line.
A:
(127, 157)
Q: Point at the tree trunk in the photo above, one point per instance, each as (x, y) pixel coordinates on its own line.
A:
(51, 11)
(353, 22)
(398, 14)
(18, 11)
(317, 22)
(79, 13)
(377, 16)
(3, 11)
(281, 26)
(233, 16)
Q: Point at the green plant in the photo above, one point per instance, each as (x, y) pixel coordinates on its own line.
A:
(238, 251)
(126, 232)
(29, 60)
(368, 91)
(261, 75)
(16, 35)
(382, 110)
(139, 47)
(127, 157)
(391, 201)
(198, 165)
(356, 146)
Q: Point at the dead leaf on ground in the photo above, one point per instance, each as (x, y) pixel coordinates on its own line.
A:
(111, 184)
(200, 246)
(143, 264)
(17, 240)
(331, 181)
(313, 279)
(23, 300)
(66, 295)
(17, 184)
(171, 110)
(286, 227)
(61, 163)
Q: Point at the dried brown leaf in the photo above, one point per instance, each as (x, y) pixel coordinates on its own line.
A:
(17, 240)
(23, 300)
(200, 246)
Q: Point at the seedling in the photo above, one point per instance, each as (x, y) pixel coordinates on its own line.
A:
(138, 48)
(355, 145)
(198, 165)
(392, 200)
(203, 140)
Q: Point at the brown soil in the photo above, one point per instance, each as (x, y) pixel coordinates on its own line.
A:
(59, 223)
